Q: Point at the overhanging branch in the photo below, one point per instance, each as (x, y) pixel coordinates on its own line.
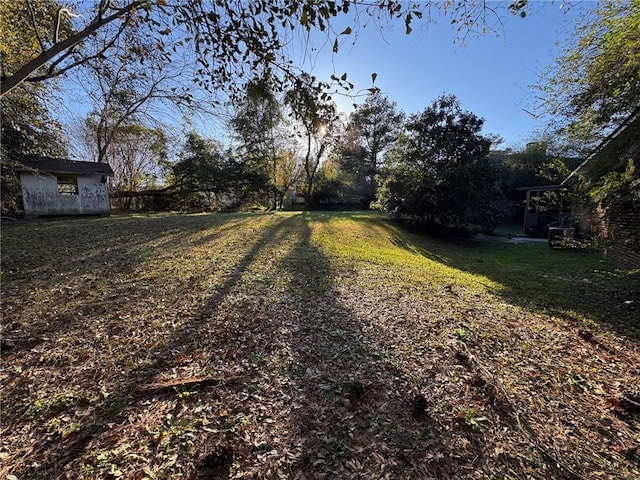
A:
(9, 83)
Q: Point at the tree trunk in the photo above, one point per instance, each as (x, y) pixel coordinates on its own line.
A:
(9, 83)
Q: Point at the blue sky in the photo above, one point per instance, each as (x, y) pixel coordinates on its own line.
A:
(491, 74)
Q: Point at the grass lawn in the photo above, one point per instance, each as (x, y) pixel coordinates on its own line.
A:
(310, 346)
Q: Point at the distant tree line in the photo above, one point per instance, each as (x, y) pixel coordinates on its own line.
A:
(286, 146)
(292, 150)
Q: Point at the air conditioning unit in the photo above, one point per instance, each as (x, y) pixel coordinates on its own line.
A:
(556, 234)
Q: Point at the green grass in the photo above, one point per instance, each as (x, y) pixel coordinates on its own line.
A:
(509, 229)
(291, 345)
(575, 284)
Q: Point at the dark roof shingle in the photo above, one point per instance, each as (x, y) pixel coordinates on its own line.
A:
(57, 165)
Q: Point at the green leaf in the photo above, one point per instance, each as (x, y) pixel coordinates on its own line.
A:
(149, 473)
(407, 22)
(115, 471)
(346, 31)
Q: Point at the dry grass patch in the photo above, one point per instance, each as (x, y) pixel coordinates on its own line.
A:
(310, 346)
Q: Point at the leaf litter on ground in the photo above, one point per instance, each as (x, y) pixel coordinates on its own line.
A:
(310, 345)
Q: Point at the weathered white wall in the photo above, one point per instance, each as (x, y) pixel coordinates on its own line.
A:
(40, 196)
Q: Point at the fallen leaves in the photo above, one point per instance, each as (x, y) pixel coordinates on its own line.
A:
(305, 346)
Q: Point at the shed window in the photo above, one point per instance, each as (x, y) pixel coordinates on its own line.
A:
(68, 185)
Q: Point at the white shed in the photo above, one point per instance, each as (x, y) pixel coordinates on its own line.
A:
(54, 186)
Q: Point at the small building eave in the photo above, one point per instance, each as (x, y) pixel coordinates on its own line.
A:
(57, 166)
(542, 188)
(630, 120)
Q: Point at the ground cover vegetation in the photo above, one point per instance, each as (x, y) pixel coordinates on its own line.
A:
(310, 345)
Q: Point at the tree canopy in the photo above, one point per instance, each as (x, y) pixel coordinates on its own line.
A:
(595, 83)
(439, 172)
(230, 39)
(374, 125)
(378, 122)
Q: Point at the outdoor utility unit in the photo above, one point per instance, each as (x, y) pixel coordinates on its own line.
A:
(560, 232)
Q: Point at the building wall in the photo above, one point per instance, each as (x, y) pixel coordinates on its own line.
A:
(40, 196)
(624, 246)
(623, 256)
(617, 238)
(589, 222)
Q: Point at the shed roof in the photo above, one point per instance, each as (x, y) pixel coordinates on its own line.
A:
(29, 163)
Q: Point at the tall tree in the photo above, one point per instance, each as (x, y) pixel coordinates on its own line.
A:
(522, 167)
(595, 82)
(379, 122)
(256, 125)
(376, 123)
(439, 173)
(137, 156)
(124, 91)
(316, 114)
(205, 168)
(350, 159)
(27, 127)
(288, 171)
(200, 165)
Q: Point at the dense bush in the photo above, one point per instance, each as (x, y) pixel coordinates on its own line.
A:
(439, 173)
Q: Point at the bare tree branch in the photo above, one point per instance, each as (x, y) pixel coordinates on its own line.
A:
(9, 83)
(35, 26)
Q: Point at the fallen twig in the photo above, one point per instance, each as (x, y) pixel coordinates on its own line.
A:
(522, 423)
(185, 383)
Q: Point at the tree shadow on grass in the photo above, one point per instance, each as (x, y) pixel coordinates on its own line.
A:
(79, 267)
(299, 382)
(43, 254)
(575, 286)
(304, 386)
(179, 338)
(355, 414)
